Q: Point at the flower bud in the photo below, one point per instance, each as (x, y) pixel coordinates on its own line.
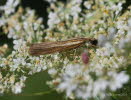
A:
(85, 57)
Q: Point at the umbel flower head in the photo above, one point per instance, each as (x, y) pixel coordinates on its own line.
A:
(94, 74)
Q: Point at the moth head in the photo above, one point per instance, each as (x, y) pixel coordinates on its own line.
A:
(94, 42)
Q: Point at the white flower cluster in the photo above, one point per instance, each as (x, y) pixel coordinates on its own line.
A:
(75, 9)
(103, 73)
(126, 39)
(57, 16)
(25, 28)
(11, 82)
(77, 81)
(18, 62)
(8, 8)
(117, 8)
(53, 19)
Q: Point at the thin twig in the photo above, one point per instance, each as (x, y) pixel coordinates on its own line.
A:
(34, 94)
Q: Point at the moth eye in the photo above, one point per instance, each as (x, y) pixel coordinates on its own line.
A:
(94, 42)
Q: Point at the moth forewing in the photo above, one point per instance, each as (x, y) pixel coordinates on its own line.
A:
(52, 47)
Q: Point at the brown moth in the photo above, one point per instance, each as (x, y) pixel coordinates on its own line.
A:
(59, 46)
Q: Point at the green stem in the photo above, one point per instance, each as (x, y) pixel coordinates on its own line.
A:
(35, 94)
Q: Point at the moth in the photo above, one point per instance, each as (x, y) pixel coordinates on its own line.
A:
(59, 46)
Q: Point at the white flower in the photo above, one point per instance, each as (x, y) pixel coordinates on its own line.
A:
(110, 49)
(9, 7)
(12, 79)
(117, 8)
(100, 85)
(122, 43)
(129, 22)
(117, 80)
(76, 81)
(23, 78)
(2, 21)
(17, 62)
(1, 89)
(17, 88)
(102, 39)
(87, 4)
(12, 34)
(69, 83)
(52, 71)
(129, 29)
(18, 43)
(121, 25)
(84, 92)
(75, 10)
(121, 31)
(73, 70)
(53, 19)
(111, 33)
